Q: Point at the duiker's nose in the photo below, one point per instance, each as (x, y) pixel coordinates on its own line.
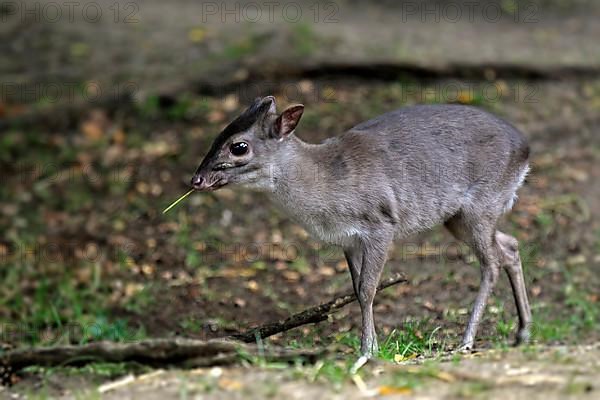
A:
(198, 182)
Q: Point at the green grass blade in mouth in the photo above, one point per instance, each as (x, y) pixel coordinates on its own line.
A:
(173, 204)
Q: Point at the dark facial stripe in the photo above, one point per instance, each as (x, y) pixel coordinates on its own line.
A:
(242, 123)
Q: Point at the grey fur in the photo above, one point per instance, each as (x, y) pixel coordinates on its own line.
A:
(403, 172)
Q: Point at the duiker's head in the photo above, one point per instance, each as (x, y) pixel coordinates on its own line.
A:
(243, 152)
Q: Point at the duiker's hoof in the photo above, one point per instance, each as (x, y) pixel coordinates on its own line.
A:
(362, 360)
(464, 347)
(523, 337)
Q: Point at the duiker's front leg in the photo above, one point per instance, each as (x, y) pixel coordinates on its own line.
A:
(374, 251)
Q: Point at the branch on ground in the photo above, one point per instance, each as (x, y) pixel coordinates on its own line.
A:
(154, 352)
(188, 352)
(309, 316)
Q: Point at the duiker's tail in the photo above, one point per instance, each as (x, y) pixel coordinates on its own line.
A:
(518, 183)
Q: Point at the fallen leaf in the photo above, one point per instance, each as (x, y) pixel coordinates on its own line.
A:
(239, 302)
(92, 130)
(232, 272)
(133, 288)
(79, 49)
(391, 390)
(118, 136)
(579, 259)
(229, 384)
(216, 116)
(197, 35)
(230, 103)
(326, 271)
(465, 97)
(400, 358)
(429, 305)
(291, 275)
(341, 266)
(445, 376)
(148, 269)
(252, 285)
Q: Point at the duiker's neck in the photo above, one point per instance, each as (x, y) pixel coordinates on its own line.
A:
(298, 167)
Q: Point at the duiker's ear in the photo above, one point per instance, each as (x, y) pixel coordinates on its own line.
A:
(272, 106)
(264, 105)
(287, 121)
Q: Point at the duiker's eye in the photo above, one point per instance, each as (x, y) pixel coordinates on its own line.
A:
(238, 148)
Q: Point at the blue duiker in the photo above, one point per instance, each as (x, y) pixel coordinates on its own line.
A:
(395, 175)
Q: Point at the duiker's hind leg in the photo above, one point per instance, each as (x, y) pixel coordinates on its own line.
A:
(354, 258)
(512, 265)
(479, 233)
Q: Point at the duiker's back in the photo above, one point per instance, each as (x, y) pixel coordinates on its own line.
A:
(418, 166)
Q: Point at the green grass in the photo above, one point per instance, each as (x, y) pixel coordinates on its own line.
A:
(141, 300)
(414, 339)
(545, 221)
(574, 319)
(505, 328)
(57, 310)
(99, 369)
(54, 291)
(191, 324)
(239, 49)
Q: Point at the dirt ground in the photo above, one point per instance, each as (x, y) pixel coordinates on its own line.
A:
(555, 220)
(541, 372)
